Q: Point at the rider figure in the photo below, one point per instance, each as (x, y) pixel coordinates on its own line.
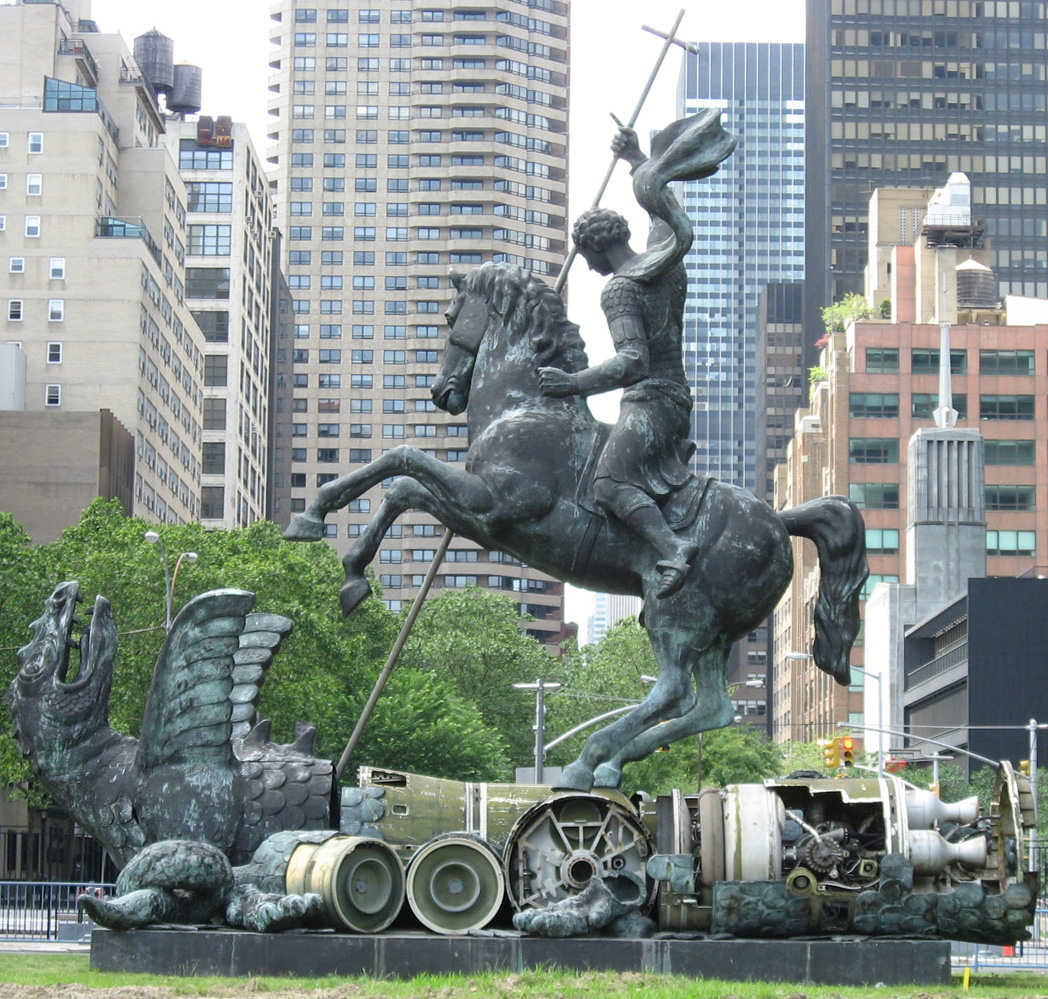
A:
(645, 457)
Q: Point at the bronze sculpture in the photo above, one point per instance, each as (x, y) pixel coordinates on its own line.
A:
(528, 488)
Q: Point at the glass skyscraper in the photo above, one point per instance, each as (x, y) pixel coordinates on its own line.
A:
(749, 231)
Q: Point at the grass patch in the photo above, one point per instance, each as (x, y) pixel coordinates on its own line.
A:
(53, 971)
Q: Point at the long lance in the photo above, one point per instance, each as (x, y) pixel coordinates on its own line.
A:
(409, 622)
(670, 38)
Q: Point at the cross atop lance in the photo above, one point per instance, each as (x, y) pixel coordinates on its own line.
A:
(670, 38)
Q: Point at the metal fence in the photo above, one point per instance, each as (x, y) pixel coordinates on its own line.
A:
(45, 910)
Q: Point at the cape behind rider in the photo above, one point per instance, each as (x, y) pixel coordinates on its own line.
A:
(645, 456)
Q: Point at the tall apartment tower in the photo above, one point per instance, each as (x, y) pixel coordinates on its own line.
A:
(228, 282)
(409, 137)
(749, 224)
(94, 235)
(902, 94)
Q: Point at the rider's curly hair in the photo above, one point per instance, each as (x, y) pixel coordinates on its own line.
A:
(597, 228)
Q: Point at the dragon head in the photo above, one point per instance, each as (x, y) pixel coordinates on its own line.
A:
(52, 705)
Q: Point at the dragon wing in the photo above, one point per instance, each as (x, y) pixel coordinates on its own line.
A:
(259, 642)
(187, 717)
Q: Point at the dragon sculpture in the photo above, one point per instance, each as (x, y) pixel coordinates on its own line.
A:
(204, 768)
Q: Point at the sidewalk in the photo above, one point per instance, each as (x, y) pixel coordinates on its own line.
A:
(44, 947)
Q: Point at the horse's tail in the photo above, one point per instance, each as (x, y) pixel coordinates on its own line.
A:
(836, 526)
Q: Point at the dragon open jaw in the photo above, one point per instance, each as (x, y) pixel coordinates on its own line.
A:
(55, 638)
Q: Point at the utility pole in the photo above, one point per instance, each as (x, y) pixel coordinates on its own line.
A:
(540, 687)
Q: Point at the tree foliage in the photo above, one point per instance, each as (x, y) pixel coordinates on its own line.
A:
(851, 308)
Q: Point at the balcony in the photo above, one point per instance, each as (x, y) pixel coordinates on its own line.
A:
(116, 228)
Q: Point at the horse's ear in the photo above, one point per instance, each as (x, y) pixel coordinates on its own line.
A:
(456, 279)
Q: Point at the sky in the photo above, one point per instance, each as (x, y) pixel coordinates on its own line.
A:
(612, 58)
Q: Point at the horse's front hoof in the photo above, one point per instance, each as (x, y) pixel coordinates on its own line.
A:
(305, 527)
(575, 777)
(354, 591)
(608, 775)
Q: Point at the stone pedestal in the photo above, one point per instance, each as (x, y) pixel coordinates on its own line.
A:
(236, 953)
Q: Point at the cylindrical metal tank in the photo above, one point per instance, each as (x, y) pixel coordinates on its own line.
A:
(976, 286)
(185, 96)
(155, 55)
(360, 879)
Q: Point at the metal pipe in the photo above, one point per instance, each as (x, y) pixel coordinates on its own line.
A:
(394, 655)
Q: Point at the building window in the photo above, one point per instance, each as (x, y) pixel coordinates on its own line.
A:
(207, 282)
(36, 142)
(882, 540)
(32, 226)
(1006, 362)
(14, 310)
(212, 502)
(1016, 452)
(214, 414)
(873, 405)
(1011, 543)
(926, 361)
(1011, 497)
(54, 352)
(924, 404)
(209, 240)
(55, 310)
(873, 450)
(214, 458)
(16, 265)
(1006, 407)
(34, 184)
(216, 370)
(209, 196)
(52, 395)
(57, 271)
(874, 495)
(882, 360)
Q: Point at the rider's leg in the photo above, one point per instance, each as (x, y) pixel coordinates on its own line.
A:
(638, 512)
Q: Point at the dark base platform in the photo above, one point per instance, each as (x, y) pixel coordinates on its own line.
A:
(235, 953)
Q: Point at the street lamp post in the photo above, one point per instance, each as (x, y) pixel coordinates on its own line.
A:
(169, 578)
(540, 687)
(880, 715)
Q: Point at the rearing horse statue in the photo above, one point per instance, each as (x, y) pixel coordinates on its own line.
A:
(526, 488)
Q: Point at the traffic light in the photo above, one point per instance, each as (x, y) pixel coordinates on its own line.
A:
(1024, 767)
(831, 754)
(846, 752)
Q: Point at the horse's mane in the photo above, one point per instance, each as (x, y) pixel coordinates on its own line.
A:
(526, 303)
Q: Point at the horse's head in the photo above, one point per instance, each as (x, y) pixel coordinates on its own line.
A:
(528, 314)
(468, 318)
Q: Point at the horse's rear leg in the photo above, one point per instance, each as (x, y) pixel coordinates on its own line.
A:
(712, 709)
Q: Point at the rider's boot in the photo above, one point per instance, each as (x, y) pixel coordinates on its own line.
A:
(648, 522)
(673, 571)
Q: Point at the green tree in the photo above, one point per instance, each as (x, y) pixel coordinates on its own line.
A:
(851, 308)
(472, 640)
